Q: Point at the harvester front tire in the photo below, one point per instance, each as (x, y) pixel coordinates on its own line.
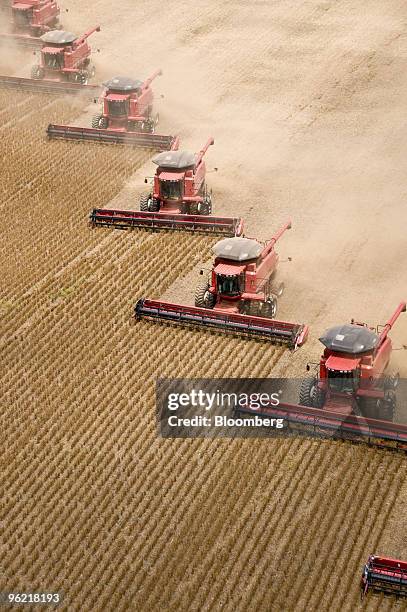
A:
(269, 309)
(99, 122)
(144, 199)
(310, 395)
(37, 73)
(204, 209)
(203, 297)
(154, 205)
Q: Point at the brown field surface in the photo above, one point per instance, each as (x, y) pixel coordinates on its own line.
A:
(306, 101)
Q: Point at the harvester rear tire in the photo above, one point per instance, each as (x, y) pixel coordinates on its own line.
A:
(310, 395)
(203, 297)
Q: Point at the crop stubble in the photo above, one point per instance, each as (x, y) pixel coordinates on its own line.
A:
(92, 502)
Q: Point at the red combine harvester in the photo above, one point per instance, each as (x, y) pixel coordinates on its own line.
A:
(30, 19)
(126, 118)
(240, 298)
(65, 57)
(65, 66)
(351, 372)
(179, 199)
(351, 396)
(384, 574)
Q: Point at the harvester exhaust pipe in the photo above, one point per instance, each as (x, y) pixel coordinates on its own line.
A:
(202, 152)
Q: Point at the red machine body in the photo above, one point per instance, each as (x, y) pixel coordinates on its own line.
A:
(384, 574)
(65, 57)
(179, 185)
(127, 105)
(242, 279)
(351, 397)
(34, 17)
(351, 377)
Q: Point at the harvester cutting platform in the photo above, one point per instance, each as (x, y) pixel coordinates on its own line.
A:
(29, 20)
(386, 575)
(65, 65)
(240, 298)
(180, 199)
(127, 117)
(352, 396)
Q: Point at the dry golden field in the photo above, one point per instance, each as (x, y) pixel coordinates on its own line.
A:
(93, 503)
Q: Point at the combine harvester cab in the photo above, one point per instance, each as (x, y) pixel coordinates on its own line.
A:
(240, 298)
(180, 199)
(386, 575)
(30, 20)
(352, 396)
(127, 117)
(65, 66)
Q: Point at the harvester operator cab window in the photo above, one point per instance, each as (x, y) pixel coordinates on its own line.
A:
(118, 108)
(228, 285)
(343, 382)
(171, 190)
(54, 61)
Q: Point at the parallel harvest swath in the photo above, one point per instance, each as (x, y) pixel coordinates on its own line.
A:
(129, 219)
(49, 87)
(144, 140)
(261, 328)
(334, 425)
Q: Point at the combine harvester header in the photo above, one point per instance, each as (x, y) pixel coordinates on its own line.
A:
(240, 298)
(351, 397)
(384, 574)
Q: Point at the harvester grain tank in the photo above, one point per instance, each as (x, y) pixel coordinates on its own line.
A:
(179, 200)
(30, 19)
(384, 574)
(240, 297)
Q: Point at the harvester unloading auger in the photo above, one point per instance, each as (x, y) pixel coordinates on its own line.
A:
(126, 118)
(240, 298)
(351, 396)
(179, 200)
(29, 20)
(64, 66)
